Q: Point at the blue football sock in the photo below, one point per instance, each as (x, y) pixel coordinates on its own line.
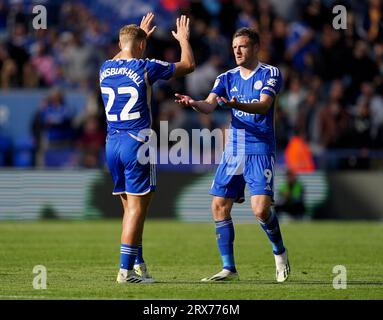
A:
(139, 258)
(225, 238)
(127, 256)
(271, 227)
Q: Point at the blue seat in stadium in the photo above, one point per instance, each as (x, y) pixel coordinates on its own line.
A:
(101, 158)
(5, 146)
(60, 157)
(23, 151)
(280, 160)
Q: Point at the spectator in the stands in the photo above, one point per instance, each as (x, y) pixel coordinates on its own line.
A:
(4, 11)
(372, 23)
(332, 125)
(332, 57)
(17, 48)
(278, 45)
(199, 83)
(375, 102)
(91, 143)
(361, 126)
(291, 197)
(282, 130)
(44, 64)
(298, 155)
(246, 18)
(363, 69)
(55, 120)
(307, 115)
(8, 69)
(336, 92)
(291, 98)
(218, 45)
(77, 59)
(299, 44)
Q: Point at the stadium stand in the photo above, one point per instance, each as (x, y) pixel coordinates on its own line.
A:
(333, 79)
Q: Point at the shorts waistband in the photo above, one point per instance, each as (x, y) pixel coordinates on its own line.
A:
(114, 132)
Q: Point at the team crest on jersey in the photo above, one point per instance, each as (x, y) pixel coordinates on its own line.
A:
(258, 85)
(216, 83)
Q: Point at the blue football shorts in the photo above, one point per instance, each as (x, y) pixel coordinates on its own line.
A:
(129, 175)
(234, 172)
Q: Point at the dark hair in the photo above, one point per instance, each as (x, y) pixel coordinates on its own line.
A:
(248, 32)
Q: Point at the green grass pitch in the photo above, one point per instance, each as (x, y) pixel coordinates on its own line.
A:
(82, 260)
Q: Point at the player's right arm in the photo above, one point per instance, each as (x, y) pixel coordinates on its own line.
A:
(204, 106)
(186, 65)
(210, 103)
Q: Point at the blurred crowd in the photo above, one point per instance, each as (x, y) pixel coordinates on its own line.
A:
(332, 98)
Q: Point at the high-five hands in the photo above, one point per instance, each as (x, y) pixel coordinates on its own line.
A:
(183, 31)
(146, 24)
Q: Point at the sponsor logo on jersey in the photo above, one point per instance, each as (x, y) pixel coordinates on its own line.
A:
(272, 82)
(240, 113)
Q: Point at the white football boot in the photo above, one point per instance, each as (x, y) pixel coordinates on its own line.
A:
(224, 275)
(130, 277)
(282, 267)
(143, 272)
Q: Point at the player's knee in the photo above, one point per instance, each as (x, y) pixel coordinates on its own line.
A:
(261, 211)
(220, 210)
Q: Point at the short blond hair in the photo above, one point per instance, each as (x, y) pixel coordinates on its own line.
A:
(131, 32)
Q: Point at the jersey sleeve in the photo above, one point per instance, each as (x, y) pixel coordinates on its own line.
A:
(273, 82)
(219, 86)
(158, 69)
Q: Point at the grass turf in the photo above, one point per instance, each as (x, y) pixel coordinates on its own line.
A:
(82, 260)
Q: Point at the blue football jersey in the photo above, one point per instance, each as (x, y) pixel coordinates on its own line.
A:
(258, 129)
(126, 91)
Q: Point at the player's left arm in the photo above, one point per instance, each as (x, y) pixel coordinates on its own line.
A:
(260, 107)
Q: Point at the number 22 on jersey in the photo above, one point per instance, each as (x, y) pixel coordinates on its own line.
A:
(125, 112)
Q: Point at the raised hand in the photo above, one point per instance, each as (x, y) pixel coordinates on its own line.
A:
(146, 24)
(182, 32)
